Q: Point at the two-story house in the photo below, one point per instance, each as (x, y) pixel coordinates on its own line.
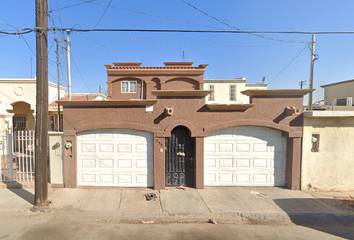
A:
(159, 129)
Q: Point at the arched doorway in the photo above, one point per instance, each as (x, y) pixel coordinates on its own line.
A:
(180, 158)
(23, 116)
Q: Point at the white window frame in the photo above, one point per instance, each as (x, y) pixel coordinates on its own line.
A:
(212, 94)
(232, 94)
(129, 88)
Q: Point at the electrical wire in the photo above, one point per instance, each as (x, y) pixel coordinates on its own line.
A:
(9, 25)
(103, 13)
(192, 44)
(105, 47)
(257, 35)
(79, 72)
(29, 30)
(61, 23)
(287, 65)
(151, 15)
(24, 39)
(74, 5)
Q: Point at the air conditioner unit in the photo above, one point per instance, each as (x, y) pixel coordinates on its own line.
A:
(348, 101)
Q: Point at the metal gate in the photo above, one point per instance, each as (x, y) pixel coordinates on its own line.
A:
(180, 158)
(17, 159)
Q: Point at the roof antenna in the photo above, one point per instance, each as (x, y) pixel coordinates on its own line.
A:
(184, 54)
(263, 79)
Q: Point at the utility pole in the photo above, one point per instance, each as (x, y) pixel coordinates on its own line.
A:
(68, 63)
(41, 135)
(57, 52)
(313, 59)
(302, 83)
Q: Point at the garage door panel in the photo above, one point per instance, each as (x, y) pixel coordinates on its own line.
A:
(243, 147)
(225, 147)
(106, 136)
(210, 163)
(106, 163)
(260, 163)
(115, 157)
(258, 157)
(210, 147)
(124, 148)
(106, 178)
(106, 148)
(242, 178)
(243, 163)
(124, 163)
(88, 148)
(226, 163)
(87, 163)
(260, 147)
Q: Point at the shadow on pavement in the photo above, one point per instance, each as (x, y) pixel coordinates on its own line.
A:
(22, 193)
(319, 214)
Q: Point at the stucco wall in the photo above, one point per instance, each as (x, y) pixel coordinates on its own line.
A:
(332, 168)
(189, 112)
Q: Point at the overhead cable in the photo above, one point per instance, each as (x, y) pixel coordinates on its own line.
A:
(287, 65)
(79, 72)
(29, 30)
(103, 13)
(192, 44)
(74, 5)
(105, 47)
(151, 15)
(273, 39)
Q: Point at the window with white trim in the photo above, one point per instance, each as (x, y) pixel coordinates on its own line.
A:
(232, 92)
(129, 87)
(211, 95)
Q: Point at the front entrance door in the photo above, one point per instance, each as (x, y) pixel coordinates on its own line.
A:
(180, 158)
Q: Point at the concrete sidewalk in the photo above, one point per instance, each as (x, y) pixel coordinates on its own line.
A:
(225, 204)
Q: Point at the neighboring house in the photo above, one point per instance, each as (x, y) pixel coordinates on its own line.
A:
(157, 130)
(327, 151)
(339, 92)
(229, 91)
(18, 101)
(53, 107)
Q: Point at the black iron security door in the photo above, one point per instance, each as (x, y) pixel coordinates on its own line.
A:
(180, 158)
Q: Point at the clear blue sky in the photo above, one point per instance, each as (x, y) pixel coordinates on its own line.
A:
(246, 56)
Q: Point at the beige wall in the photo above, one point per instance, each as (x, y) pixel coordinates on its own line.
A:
(332, 168)
(222, 90)
(339, 91)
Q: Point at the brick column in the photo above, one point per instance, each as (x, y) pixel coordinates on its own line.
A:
(159, 163)
(199, 163)
(293, 163)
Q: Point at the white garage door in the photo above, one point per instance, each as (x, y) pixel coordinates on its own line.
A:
(245, 156)
(115, 157)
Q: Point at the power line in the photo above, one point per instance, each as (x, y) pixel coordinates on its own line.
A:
(24, 39)
(105, 47)
(194, 44)
(9, 25)
(79, 72)
(151, 15)
(103, 13)
(61, 24)
(74, 5)
(287, 65)
(29, 30)
(273, 39)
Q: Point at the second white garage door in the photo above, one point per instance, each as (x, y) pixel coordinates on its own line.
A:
(245, 156)
(115, 157)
